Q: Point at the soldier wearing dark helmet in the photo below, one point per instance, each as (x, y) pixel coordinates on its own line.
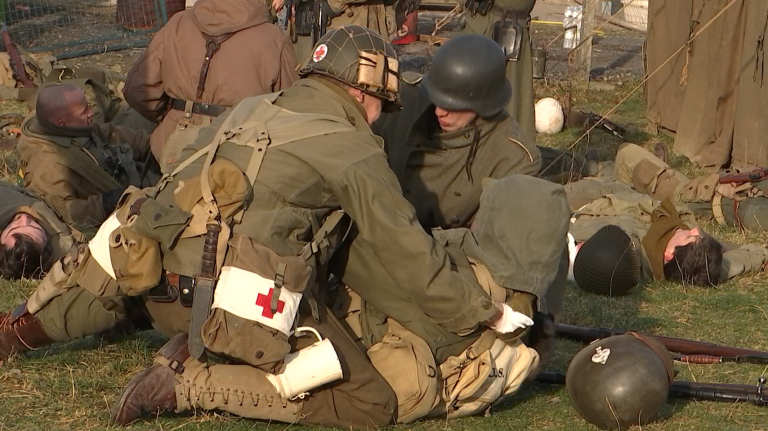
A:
(258, 204)
(453, 131)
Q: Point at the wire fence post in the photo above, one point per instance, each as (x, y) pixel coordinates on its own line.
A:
(582, 63)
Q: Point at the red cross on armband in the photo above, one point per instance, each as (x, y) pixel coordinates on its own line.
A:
(265, 302)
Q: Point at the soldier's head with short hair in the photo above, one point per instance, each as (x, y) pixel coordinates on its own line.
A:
(361, 62)
(64, 105)
(25, 248)
(467, 80)
(693, 257)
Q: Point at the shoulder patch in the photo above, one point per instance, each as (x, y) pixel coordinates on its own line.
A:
(410, 77)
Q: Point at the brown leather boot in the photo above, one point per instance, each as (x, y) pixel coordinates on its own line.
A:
(20, 332)
(153, 390)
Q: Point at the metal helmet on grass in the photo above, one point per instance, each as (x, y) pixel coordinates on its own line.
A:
(620, 381)
(607, 263)
(468, 73)
(360, 58)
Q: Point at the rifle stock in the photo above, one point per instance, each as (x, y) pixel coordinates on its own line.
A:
(17, 64)
(677, 345)
(756, 175)
(700, 391)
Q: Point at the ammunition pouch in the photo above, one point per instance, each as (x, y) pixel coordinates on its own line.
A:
(509, 35)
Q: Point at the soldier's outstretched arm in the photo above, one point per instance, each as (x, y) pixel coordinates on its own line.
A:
(743, 260)
(369, 192)
(144, 89)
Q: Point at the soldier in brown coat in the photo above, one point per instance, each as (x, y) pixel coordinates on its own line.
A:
(204, 60)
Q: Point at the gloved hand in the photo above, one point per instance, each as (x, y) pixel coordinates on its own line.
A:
(109, 199)
(509, 321)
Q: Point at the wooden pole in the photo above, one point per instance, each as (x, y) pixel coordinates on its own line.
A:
(582, 60)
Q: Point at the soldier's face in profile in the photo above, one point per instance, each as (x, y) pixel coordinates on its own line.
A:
(451, 121)
(80, 114)
(22, 224)
(372, 107)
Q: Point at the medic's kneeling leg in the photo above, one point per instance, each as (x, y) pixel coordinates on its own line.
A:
(361, 398)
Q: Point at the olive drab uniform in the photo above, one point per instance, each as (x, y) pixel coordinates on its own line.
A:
(71, 168)
(649, 222)
(515, 14)
(475, 368)
(441, 173)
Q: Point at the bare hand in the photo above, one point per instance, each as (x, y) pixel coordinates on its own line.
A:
(277, 5)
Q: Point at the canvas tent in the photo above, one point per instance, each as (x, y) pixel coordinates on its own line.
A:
(713, 94)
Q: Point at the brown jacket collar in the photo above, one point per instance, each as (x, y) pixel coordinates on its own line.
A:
(665, 220)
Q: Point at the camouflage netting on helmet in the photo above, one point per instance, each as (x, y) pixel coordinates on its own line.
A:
(360, 58)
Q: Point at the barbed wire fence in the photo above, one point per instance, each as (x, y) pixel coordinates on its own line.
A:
(71, 28)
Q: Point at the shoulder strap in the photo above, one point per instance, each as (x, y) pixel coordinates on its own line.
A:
(212, 45)
(75, 158)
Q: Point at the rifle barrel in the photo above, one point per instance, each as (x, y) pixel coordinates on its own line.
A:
(676, 345)
(686, 389)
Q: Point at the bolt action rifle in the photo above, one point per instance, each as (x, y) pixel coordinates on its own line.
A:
(17, 64)
(756, 175)
(700, 391)
(688, 351)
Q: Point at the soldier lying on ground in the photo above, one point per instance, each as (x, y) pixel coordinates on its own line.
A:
(454, 131)
(739, 204)
(669, 244)
(80, 168)
(270, 183)
(203, 61)
(516, 269)
(33, 235)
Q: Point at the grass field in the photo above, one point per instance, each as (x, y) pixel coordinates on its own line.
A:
(72, 386)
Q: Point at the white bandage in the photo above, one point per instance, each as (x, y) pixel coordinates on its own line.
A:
(99, 245)
(307, 369)
(572, 250)
(249, 295)
(511, 320)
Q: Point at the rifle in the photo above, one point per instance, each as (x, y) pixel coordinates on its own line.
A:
(756, 175)
(700, 391)
(688, 351)
(17, 64)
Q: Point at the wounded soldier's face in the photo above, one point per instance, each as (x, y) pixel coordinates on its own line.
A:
(452, 121)
(25, 225)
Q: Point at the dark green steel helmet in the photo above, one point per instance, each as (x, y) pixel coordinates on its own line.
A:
(620, 381)
(360, 58)
(607, 263)
(468, 73)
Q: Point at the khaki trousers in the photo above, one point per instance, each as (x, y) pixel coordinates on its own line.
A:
(362, 399)
(78, 313)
